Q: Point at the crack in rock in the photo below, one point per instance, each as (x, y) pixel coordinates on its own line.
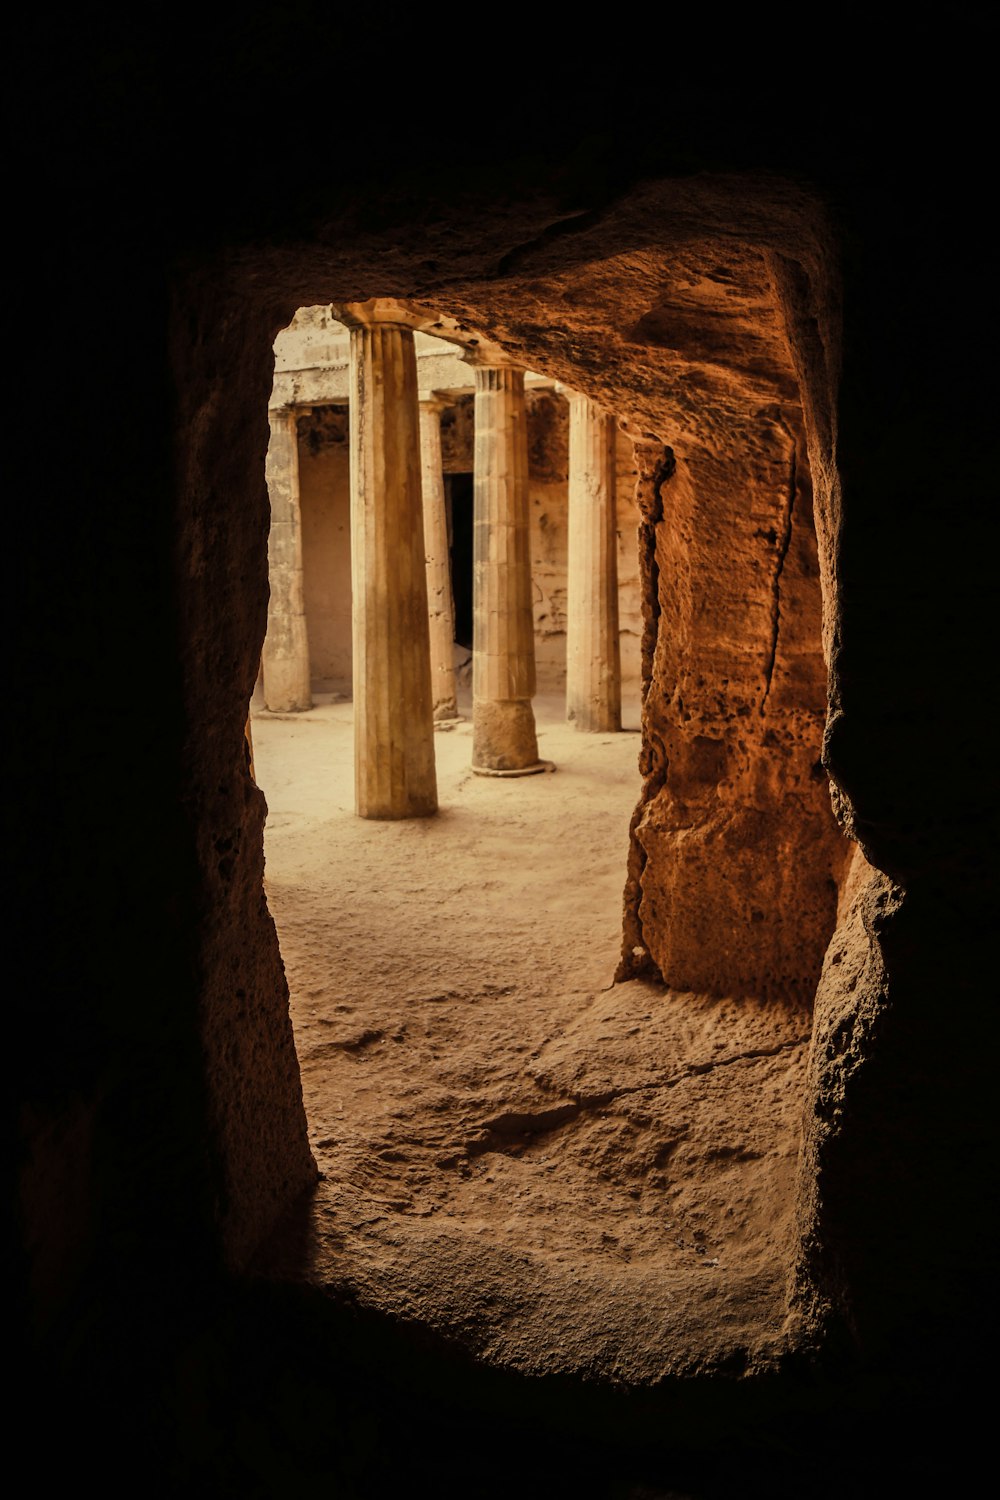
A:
(783, 545)
(693, 1070)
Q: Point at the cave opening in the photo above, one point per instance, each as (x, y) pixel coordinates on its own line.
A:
(488, 1109)
(428, 961)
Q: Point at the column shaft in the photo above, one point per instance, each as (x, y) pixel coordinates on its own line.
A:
(248, 740)
(593, 656)
(503, 664)
(439, 597)
(394, 772)
(286, 646)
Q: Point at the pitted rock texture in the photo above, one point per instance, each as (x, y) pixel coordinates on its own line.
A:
(737, 882)
(558, 1172)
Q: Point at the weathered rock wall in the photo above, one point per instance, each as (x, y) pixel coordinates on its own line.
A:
(896, 1120)
(256, 1122)
(736, 877)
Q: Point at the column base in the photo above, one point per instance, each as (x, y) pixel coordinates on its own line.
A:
(287, 689)
(503, 736)
(397, 814)
(540, 765)
(383, 801)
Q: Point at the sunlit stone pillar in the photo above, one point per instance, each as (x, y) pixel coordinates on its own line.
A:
(393, 722)
(439, 599)
(286, 646)
(593, 655)
(248, 741)
(503, 647)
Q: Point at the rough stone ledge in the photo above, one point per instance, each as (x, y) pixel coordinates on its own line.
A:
(614, 1206)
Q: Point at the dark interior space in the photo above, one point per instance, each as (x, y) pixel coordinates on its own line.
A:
(160, 1136)
(458, 489)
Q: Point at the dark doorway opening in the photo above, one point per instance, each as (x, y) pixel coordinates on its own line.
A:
(459, 495)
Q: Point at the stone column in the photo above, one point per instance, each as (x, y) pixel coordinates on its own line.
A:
(503, 659)
(439, 597)
(593, 655)
(248, 740)
(286, 645)
(394, 773)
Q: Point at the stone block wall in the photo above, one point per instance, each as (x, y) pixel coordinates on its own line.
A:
(324, 482)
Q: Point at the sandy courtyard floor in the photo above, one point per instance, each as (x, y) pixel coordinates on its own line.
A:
(559, 1172)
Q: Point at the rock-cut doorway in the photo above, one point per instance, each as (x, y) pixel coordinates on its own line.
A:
(515, 1149)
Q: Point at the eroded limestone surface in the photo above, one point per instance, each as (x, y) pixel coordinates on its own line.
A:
(561, 1173)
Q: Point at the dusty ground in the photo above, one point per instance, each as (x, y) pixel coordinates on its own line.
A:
(561, 1173)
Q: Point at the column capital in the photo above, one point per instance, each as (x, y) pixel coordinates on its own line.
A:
(492, 377)
(377, 312)
(434, 401)
(571, 395)
(484, 355)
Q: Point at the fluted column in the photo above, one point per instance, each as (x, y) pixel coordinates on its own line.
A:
(439, 598)
(286, 645)
(394, 773)
(503, 646)
(593, 656)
